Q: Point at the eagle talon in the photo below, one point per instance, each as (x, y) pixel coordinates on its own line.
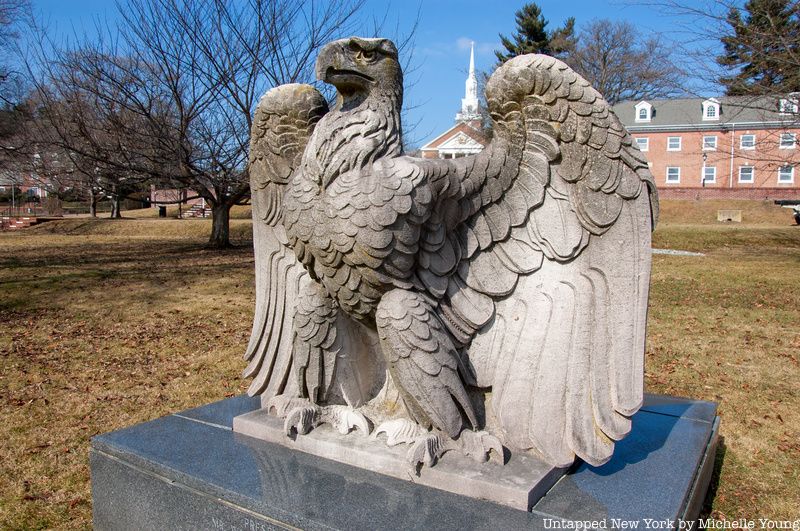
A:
(479, 445)
(344, 419)
(282, 405)
(427, 450)
(399, 431)
(301, 419)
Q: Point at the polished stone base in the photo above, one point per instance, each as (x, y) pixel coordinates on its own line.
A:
(520, 483)
(190, 471)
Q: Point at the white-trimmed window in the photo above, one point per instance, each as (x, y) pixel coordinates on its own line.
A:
(747, 141)
(643, 143)
(710, 109)
(673, 174)
(788, 140)
(788, 105)
(786, 175)
(746, 174)
(644, 111)
(673, 143)
(709, 175)
(710, 143)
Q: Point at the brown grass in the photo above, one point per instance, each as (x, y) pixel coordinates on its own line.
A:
(100, 332)
(705, 212)
(725, 327)
(237, 212)
(109, 323)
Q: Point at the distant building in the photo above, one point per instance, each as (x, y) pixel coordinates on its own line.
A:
(466, 136)
(715, 148)
(724, 148)
(28, 187)
(189, 203)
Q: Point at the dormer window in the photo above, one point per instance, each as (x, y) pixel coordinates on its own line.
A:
(644, 111)
(711, 109)
(789, 105)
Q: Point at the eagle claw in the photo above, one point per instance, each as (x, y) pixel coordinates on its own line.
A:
(479, 445)
(302, 416)
(344, 419)
(302, 419)
(399, 431)
(426, 450)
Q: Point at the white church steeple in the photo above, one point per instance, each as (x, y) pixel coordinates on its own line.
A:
(469, 104)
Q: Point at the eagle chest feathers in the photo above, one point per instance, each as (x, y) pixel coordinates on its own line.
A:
(353, 214)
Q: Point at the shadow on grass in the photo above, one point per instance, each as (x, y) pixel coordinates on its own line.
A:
(105, 253)
(52, 273)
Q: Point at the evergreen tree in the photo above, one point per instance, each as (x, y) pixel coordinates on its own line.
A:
(532, 36)
(763, 48)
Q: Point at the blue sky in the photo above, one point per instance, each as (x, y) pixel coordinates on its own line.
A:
(448, 26)
(441, 52)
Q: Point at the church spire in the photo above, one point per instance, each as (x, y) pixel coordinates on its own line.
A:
(469, 104)
(472, 60)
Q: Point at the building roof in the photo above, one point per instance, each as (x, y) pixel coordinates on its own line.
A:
(687, 113)
(461, 127)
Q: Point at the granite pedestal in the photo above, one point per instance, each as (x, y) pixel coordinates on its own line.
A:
(191, 471)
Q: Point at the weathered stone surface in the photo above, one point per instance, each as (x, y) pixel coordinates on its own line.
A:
(504, 292)
(191, 471)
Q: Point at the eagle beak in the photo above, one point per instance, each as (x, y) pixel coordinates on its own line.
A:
(329, 56)
(335, 65)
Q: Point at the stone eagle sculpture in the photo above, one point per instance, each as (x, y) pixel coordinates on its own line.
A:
(494, 299)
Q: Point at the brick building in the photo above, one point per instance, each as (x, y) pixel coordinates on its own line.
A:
(725, 148)
(717, 148)
(466, 136)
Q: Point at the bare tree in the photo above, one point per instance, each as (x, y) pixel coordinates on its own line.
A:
(172, 97)
(622, 64)
(701, 29)
(12, 12)
(13, 111)
(81, 138)
(704, 27)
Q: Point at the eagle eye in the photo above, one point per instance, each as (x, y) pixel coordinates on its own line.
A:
(366, 55)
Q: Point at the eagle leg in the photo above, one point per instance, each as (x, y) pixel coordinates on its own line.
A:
(423, 361)
(316, 341)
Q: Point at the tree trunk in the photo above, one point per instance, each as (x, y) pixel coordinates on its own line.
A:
(115, 207)
(220, 226)
(92, 203)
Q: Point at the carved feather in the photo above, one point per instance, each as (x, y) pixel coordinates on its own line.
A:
(543, 305)
(283, 121)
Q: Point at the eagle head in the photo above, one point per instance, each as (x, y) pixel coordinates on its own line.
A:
(358, 67)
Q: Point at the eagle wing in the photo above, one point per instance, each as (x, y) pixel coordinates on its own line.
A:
(283, 122)
(539, 256)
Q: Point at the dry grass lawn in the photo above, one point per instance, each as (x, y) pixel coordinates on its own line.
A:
(108, 323)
